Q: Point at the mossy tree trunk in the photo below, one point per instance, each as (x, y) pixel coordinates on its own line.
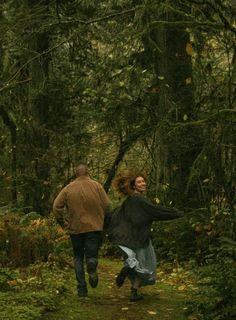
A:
(10, 124)
(37, 192)
(173, 151)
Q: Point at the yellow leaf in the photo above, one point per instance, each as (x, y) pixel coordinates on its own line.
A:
(157, 200)
(125, 308)
(152, 312)
(189, 49)
(173, 274)
(181, 288)
(13, 283)
(207, 227)
(198, 228)
(188, 80)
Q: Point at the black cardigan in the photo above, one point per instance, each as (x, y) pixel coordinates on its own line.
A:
(130, 225)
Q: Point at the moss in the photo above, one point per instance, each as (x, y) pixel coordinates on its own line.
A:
(49, 293)
(162, 301)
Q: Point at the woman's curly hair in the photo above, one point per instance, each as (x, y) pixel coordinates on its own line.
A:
(125, 180)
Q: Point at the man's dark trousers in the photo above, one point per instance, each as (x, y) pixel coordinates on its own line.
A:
(85, 245)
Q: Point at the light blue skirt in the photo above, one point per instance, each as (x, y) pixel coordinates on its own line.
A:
(143, 262)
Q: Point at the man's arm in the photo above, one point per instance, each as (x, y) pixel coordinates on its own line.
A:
(104, 199)
(58, 207)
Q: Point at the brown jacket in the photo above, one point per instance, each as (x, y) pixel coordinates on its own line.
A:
(85, 201)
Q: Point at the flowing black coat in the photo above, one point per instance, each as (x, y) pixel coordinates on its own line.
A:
(130, 225)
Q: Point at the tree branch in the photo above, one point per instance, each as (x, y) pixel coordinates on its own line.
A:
(8, 82)
(108, 17)
(123, 149)
(179, 125)
(226, 22)
(186, 24)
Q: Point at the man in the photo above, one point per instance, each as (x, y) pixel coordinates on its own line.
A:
(86, 202)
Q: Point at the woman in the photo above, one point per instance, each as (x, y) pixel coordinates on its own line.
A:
(130, 228)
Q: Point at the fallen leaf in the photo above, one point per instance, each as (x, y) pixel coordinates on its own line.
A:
(152, 312)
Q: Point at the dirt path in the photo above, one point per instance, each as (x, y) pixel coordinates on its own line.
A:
(164, 301)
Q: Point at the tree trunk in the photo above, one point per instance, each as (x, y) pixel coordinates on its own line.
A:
(12, 128)
(173, 151)
(37, 190)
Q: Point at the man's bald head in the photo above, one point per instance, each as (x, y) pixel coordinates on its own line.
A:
(81, 170)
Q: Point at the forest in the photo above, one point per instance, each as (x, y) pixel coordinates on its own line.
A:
(146, 84)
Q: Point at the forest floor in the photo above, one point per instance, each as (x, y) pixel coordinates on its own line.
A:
(164, 301)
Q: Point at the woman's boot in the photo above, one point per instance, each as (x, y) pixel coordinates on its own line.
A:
(135, 296)
(122, 276)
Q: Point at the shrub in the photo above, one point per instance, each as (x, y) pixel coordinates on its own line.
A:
(31, 291)
(217, 295)
(26, 240)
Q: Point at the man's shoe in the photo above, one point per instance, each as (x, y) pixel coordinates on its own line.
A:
(120, 279)
(82, 294)
(91, 269)
(93, 279)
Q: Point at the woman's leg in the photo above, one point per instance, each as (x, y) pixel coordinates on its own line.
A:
(135, 282)
(120, 279)
(124, 272)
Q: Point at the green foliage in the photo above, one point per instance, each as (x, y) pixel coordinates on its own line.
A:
(217, 294)
(20, 312)
(117, 83)
(27, 239)
(102, 85)
(173, 240)
(195, 235)
(31, 292)
(6, 275)
(27, 218)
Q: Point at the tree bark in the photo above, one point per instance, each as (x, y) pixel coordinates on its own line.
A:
(38, 105)
(173, 154)
(10, 124)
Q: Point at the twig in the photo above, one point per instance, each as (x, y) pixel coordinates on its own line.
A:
(108, 17)
(186, 24)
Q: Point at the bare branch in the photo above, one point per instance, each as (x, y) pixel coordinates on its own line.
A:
(108, 17)
(187, 24)
(179, 125)
(38, 55)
